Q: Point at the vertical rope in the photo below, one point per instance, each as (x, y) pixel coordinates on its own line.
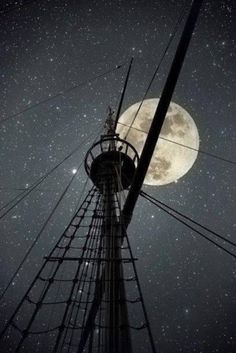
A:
(87, 200)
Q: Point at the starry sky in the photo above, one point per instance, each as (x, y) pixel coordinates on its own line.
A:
(47, 47)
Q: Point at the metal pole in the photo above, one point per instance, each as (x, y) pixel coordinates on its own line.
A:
(123, 94)
(161, 111)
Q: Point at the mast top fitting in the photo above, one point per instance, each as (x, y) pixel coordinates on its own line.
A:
(113, 160)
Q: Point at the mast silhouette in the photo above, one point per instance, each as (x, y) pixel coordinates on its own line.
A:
(95, 295)
(161, 111)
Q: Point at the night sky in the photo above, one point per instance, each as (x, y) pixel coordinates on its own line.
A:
(49, 46)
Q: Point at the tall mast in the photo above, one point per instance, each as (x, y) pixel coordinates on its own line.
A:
(88, 286)
(85, 274)
(123, 94)
(161, 111)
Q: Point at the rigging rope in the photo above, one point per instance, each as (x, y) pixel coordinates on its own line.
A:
(44, 226)
(185, 146)
(96, 237)
(24, 189)
(63, 93)
(28, 252)
(25, 193)
(80, 217)
(189, 219)
(151, 338)
(81, 272)
(155, 202)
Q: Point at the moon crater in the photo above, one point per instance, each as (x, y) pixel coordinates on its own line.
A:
(176, 150)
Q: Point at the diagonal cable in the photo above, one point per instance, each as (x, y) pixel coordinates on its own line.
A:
(24, 194)
(185, 146)
(189, 219)
(62, 94)
(40, 232)
(189, 226)
(45, 225)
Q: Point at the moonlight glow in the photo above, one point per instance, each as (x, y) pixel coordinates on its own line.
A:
(171, 159)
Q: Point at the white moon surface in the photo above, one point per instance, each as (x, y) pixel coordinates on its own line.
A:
(171, 159)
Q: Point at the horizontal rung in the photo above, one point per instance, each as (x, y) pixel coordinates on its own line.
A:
(88, 259)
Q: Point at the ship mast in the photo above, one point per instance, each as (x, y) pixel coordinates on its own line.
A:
(161, 111)
(92, 263)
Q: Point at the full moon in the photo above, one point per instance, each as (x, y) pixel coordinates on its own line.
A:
(176, 150)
